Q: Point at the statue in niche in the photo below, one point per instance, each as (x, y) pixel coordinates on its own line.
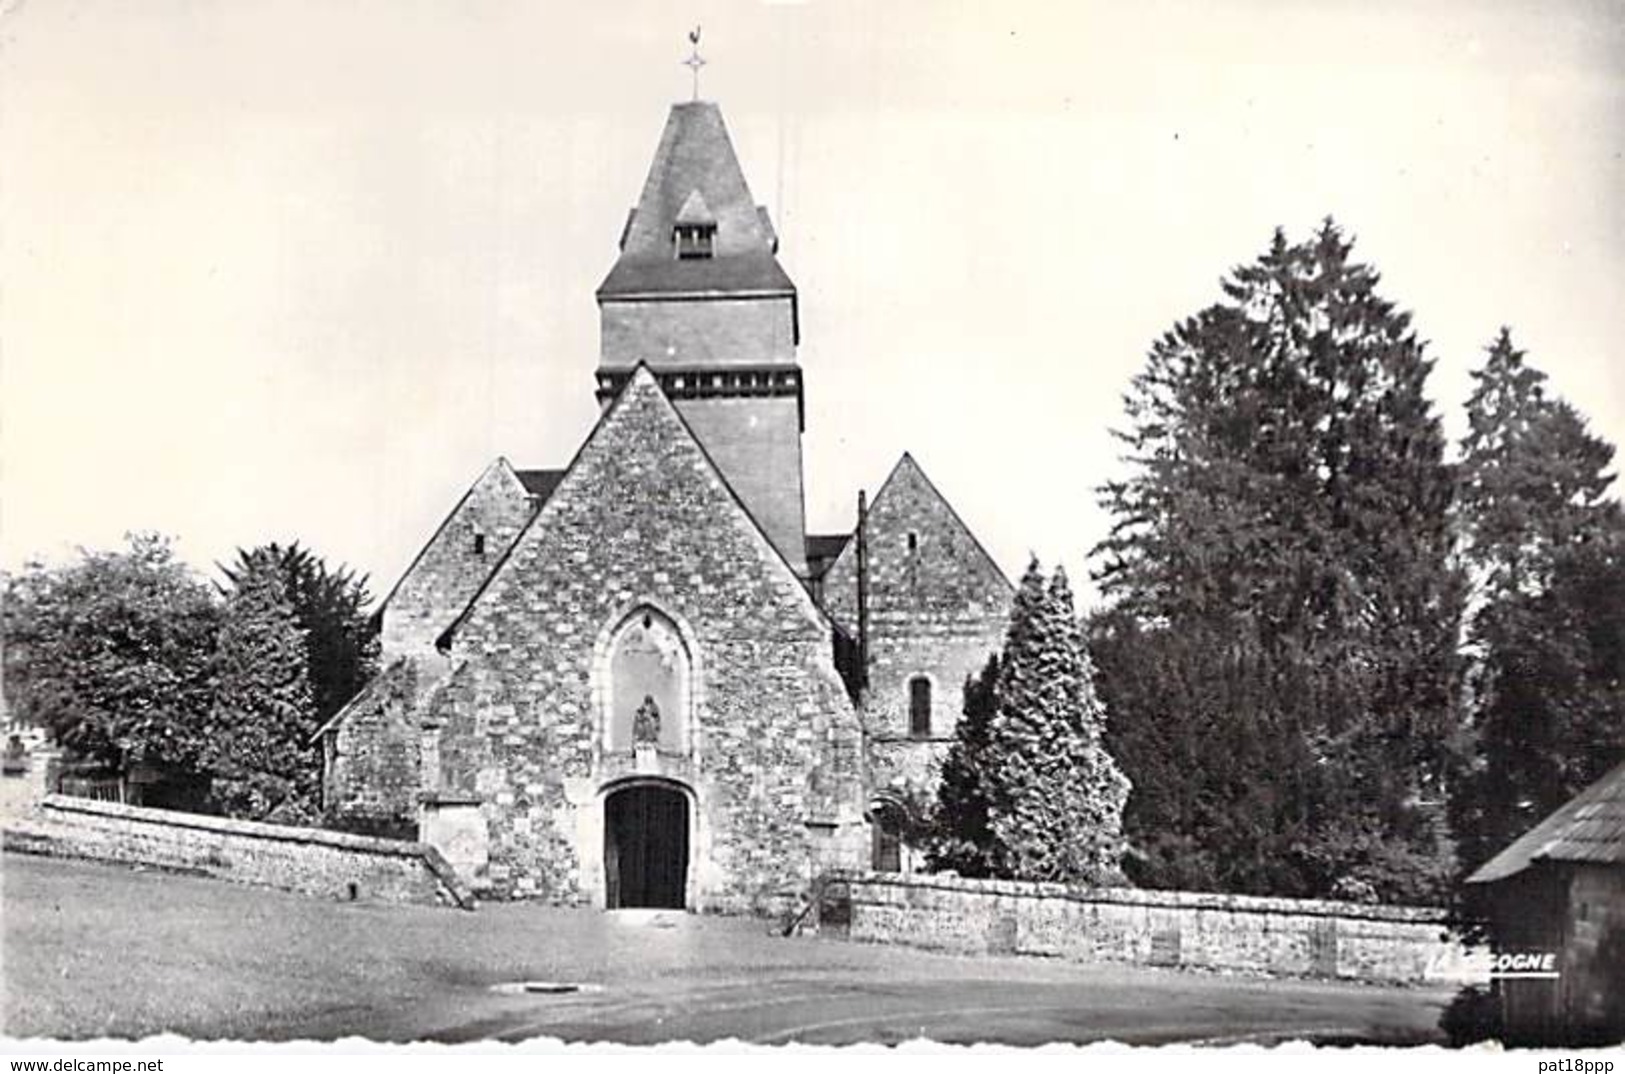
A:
(646, 723)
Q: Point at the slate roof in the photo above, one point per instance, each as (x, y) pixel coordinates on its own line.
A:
(822, 551)
(1589, 828)
(695, 210)
(540, 483)
(695, 176)
(747, 274)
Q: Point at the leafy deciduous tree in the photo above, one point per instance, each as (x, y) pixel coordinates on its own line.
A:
(113, 654)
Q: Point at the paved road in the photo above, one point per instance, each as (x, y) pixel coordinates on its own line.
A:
(822, 1011)
(662, 977)
(206, 958)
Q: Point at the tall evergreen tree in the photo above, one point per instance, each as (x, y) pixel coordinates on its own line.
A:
(1220, 802)
(1289, 508)
(263, 716)
(962, 840)
(1054, 796)
(331, 609)
(1546, 546)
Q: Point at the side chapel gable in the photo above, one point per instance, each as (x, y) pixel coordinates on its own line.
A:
(456, 560)
(921, 556)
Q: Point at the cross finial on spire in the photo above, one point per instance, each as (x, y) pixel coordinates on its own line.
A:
(695, 61)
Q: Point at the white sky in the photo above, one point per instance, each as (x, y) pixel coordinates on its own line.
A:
(300, 270)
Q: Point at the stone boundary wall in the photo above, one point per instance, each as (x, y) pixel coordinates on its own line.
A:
(308, 860)
(1237, 933)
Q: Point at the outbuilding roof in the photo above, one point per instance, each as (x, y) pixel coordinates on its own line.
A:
(1589, 828)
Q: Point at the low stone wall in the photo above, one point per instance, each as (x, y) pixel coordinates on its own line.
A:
(1294, 937)
(309, 860)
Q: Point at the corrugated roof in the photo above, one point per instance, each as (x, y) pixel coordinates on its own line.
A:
(1589, 828)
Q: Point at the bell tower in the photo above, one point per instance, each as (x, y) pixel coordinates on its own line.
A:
(698, 296)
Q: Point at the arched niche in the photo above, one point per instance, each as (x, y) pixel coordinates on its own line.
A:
(648, 685)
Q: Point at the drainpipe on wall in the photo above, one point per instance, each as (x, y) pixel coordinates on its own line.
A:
(866, 780)
(863, 598)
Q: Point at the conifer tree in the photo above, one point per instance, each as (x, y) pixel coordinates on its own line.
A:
(1055, 798)
(1220, 801)
(330, 606)
(262, 718)
(1288, 507)
(1546, 546)
(961, 840)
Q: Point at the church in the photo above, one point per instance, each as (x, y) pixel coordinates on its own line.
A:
(637, 680)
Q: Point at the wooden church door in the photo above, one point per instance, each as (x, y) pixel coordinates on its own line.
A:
(646, 847)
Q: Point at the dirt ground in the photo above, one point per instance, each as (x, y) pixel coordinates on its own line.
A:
(98, 950)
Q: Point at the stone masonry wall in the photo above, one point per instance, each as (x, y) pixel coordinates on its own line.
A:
(773, 763)
(686, 334)
(756, 443)
(371, 768)
(307, 860)
(447, 572)
(938, 607)
(1295, 937)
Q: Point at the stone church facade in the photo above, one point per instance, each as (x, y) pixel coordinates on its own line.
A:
(637, 680)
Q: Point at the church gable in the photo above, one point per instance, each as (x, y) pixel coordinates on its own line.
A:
(643, 608)
(456, 560)
(938, 607)
(922, 559)
(643, 491)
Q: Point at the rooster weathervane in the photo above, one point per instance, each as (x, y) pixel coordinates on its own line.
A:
(695, 61)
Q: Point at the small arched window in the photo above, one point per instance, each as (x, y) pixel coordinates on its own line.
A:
(919, 707)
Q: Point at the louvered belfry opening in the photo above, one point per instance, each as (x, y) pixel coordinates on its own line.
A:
(646, 847)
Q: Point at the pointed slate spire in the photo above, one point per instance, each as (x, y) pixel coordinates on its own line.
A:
(695, 170)
(698, 296)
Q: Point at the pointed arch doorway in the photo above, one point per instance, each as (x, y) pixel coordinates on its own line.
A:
(646, 842)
